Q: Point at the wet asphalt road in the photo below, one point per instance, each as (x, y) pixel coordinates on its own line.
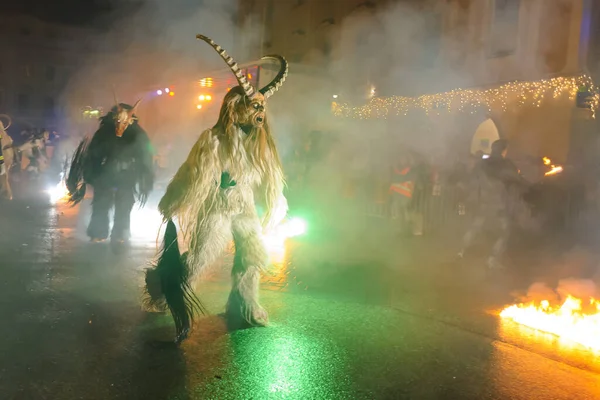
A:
(341, 328)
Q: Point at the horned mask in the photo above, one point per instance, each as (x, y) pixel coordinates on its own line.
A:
(252, 109)
(124, 115)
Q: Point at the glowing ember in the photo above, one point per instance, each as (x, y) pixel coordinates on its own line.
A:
(59, 193)
(547, 161)
(554, 169)
(574, 320)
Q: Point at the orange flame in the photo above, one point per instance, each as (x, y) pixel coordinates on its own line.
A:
(554, 169)
(574, 320)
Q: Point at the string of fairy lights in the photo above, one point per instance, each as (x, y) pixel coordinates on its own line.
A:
(472, 100)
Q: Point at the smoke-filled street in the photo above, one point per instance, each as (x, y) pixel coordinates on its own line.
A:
(300, 199)
(73, 326)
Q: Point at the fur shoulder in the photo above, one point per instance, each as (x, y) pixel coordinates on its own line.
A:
(208, 138)
(137, 129)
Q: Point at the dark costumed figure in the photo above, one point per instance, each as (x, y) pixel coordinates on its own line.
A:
(213, 195)
(117, 162)
(498, 187)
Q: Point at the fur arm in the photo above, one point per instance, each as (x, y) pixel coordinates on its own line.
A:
(195, 179)
(75, 179)
(145, 165)
(94, 155)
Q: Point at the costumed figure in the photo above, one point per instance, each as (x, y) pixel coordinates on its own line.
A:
(498, 187)
(7, 155)
(116, 160)
(212, 195)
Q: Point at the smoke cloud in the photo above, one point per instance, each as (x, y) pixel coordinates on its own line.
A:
(401, 49)
(580, 288)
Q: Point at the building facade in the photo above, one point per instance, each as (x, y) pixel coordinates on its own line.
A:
(39, 58)
(412, 49)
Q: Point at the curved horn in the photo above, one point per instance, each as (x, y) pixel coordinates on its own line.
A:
(115, 95)
(248, 88)
(137, 103)
(9, 120)
(276, 83)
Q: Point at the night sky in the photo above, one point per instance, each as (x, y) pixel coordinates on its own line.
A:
(74, 12)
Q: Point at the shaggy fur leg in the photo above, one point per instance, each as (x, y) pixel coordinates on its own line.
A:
(250, 258)
(169, 283)
(101, 205)
(124, 201)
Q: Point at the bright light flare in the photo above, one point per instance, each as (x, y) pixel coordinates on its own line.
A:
(287, 229)
(574, 320)
(58, 193)
(275, 238)
(208, 97)
(145, 224)
(167, 90)
(201, 97)
(171, 93)
(159, 92)
(199, 106)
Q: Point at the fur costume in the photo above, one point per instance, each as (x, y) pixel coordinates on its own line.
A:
(213, 195)
(116, 159)
(6, 157)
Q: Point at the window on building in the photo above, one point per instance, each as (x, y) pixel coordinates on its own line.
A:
(368, 4)
(51, 34)
(49, 107)
(590, 36)
(554, 35)
(457, 39)
(298, 32)
(430, 39)
(23, 102)
(504, 30)
(50, 72)
(269, 24)
(326, 48)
